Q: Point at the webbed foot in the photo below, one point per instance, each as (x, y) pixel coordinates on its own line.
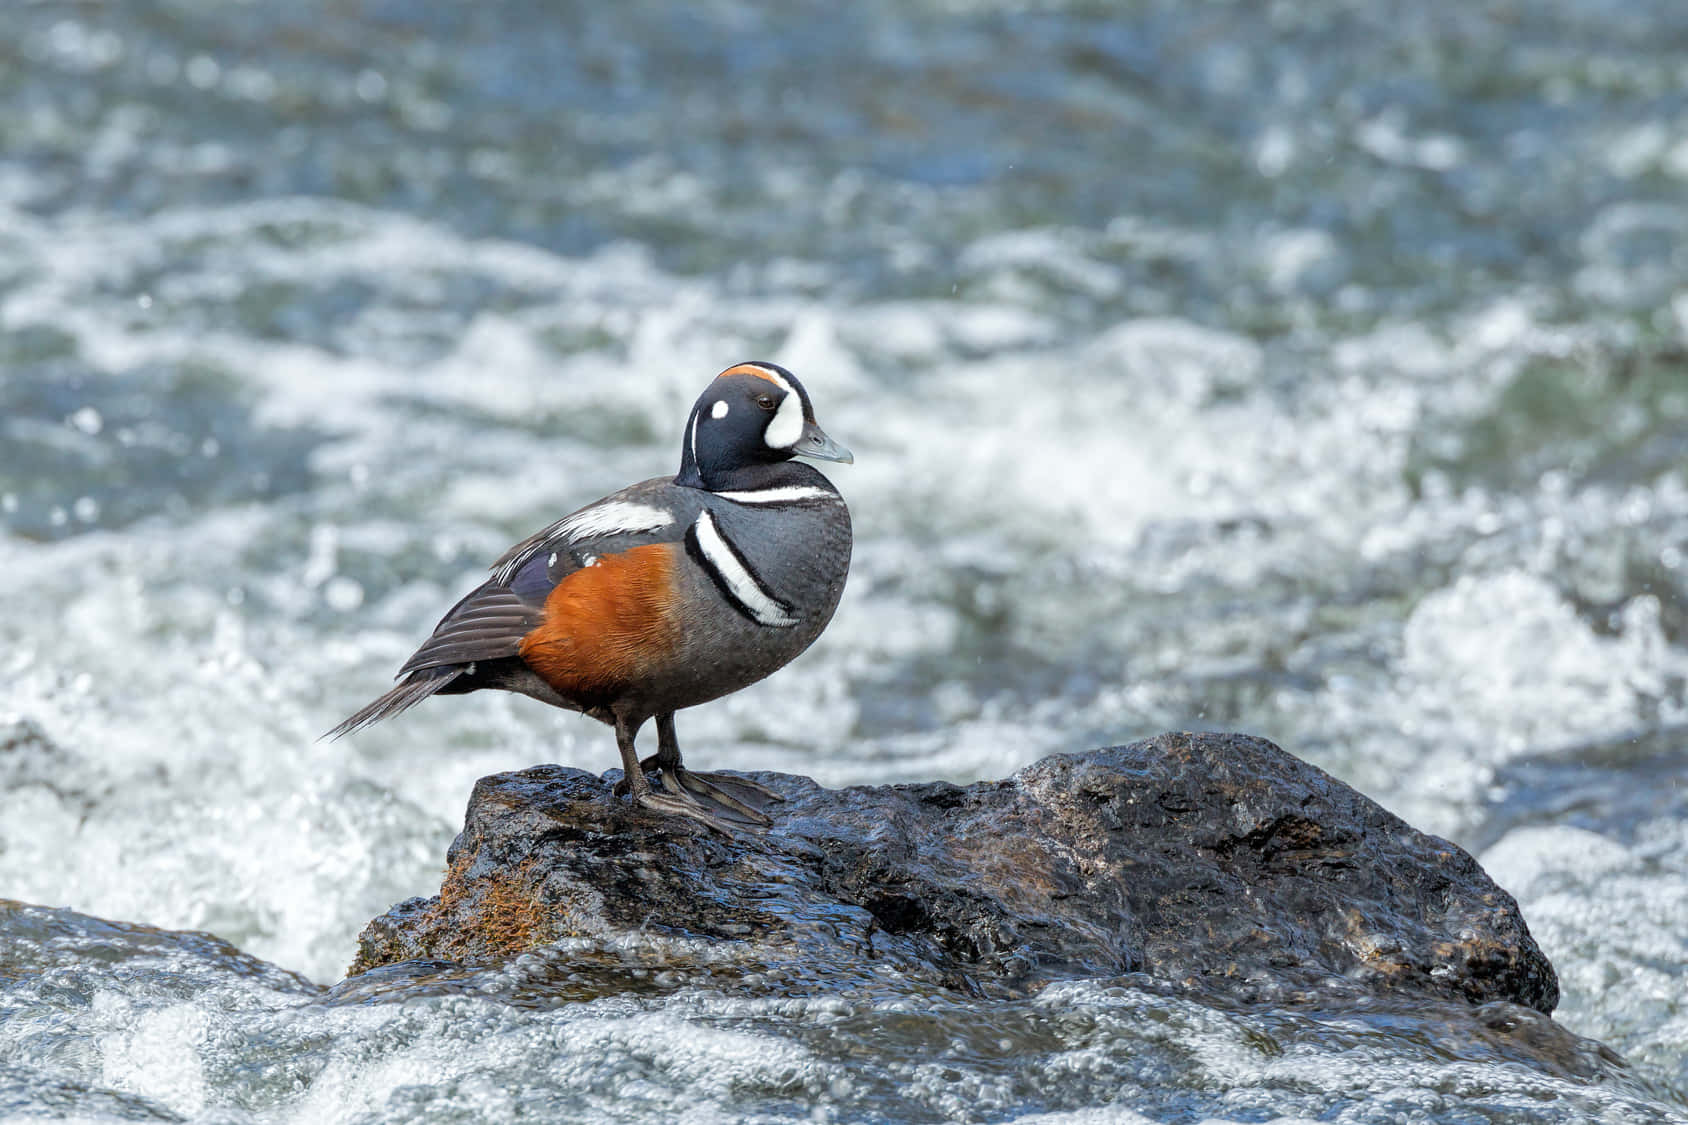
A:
(738, 797)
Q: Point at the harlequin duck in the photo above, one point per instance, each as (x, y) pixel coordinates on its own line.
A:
(667, 594)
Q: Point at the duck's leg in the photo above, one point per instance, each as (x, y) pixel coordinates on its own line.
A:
(677, 803)
(633, 782)
(737, 796)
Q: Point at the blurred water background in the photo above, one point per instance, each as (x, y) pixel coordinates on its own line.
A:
(1318, 370)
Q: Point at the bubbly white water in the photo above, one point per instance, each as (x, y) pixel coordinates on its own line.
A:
(1413, 504)
(200, 1034)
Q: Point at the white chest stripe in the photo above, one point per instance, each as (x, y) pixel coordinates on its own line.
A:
(734, 577)
(790, 493)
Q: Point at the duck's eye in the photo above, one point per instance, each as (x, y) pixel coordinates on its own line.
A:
(766, 402)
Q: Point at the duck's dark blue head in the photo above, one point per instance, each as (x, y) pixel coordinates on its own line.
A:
(752, 417)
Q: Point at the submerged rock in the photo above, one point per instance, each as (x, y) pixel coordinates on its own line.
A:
(1212, 862)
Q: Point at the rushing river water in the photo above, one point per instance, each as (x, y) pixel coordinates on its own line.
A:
(1313, 369)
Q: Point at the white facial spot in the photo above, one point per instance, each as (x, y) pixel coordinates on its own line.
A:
(787, 426)
(719, 410)
(552, 561)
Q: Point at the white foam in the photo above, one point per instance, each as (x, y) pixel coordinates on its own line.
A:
(158, 1057)
(1571, 885)
(1506, 660)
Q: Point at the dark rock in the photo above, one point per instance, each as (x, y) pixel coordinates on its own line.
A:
(1550, 1047)
(1211, 862)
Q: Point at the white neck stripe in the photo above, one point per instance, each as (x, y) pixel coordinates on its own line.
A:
(734, 576)
(787, 494)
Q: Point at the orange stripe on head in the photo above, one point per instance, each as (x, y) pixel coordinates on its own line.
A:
(608, 625)
(779, 377)
(757, 370)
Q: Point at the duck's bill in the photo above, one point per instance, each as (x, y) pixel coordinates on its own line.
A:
(814, 443)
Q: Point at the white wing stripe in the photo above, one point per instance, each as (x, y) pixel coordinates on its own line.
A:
(735, 578)
(789, 493)
(619, 517)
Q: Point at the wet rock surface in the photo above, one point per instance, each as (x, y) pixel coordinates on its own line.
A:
(1212, 862)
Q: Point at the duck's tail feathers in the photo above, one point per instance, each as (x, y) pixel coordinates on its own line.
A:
(415, 688)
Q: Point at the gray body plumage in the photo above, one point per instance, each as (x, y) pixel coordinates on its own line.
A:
(710, 581)
(797, 550)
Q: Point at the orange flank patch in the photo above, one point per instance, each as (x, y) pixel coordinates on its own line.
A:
(750, 369)
(608, 624)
